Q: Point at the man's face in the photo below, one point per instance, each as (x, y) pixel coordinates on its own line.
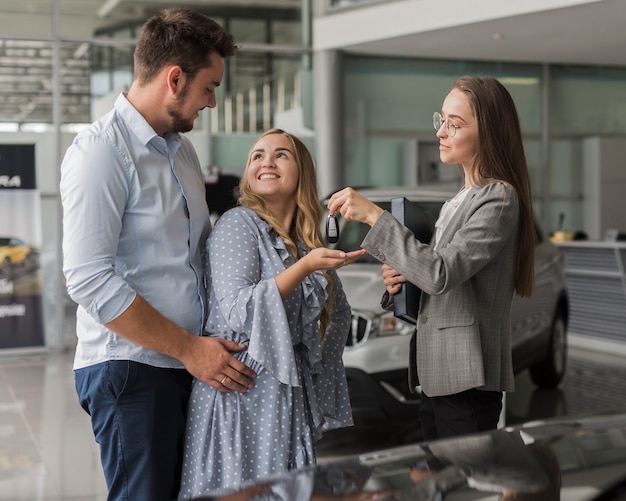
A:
(196, 94)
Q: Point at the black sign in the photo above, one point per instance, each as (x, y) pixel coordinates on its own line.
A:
(17, 167)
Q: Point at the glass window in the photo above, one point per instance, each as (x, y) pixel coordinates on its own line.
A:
(381, 125)
(25, 19)
(25, 81)
(587, 101)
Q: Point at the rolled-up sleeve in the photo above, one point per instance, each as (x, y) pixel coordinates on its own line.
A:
(94, 194)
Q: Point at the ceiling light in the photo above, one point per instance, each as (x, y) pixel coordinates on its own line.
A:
(81, 50)
(519, 80)
(107, 7)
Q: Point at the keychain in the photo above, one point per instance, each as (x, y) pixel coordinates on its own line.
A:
(332, 229)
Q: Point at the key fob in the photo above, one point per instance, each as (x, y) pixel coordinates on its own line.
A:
(332, 229)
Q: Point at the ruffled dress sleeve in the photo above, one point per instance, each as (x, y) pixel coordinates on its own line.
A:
(247, 294)
(331, 383)
(282, 335)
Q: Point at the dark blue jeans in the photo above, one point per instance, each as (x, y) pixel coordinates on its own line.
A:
(138, 415)
(470, 411)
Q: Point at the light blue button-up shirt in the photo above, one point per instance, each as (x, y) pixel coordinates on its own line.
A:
(135, 221)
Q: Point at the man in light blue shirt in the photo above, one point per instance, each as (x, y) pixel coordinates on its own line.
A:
(135, 222)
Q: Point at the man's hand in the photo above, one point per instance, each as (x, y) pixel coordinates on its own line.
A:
(207, 358)
(210, 360)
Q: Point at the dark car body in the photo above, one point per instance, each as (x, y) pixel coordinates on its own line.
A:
(576, 459)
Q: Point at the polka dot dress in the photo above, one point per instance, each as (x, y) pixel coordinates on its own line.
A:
(235, 439)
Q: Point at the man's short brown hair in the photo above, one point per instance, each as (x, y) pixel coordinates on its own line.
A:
(180, 37)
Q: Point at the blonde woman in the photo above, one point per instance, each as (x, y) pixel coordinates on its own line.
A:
(273, 289)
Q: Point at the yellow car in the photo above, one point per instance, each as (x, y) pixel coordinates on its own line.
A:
(13, 252)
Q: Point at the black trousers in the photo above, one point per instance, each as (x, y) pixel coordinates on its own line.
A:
(459, 414)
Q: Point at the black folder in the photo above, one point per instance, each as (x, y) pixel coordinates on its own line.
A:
(406, 302)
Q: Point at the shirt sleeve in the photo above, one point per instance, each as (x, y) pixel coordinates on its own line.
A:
(94, 189)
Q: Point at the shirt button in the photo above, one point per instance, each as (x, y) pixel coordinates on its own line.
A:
(423, 317)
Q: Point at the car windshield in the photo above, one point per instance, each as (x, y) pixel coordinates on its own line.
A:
(351, 234)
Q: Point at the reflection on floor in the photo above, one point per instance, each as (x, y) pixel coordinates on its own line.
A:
(595, 383)
(47, 451)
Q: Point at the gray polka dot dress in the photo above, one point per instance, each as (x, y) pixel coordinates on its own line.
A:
(235, 439)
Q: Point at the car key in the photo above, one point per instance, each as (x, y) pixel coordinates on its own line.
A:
(332, 229)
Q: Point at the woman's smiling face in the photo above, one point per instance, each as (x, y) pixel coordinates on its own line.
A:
(462, 148)
(273, 171)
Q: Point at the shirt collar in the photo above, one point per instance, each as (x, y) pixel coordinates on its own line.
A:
(141, 128)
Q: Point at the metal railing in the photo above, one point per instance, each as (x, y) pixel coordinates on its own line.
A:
(254, 109)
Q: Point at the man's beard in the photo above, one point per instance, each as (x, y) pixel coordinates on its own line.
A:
(179, 123)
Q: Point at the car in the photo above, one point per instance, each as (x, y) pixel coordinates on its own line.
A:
(376, 353)
(574, 459)
(13, 252)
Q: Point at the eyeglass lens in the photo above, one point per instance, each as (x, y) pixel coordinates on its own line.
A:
(438, 121)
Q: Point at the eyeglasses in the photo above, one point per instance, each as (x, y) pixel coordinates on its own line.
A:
(451, 127)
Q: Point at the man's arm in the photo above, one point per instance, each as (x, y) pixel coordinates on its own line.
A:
(94, 190)
(206, 358)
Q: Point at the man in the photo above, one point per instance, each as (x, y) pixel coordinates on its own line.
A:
(135, 223)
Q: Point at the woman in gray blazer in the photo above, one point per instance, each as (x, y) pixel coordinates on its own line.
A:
(480, 255)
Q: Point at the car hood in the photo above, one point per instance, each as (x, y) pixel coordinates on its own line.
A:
(363, 285)
(553, 459)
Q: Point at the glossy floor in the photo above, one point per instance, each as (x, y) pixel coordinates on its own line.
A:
(47, 451)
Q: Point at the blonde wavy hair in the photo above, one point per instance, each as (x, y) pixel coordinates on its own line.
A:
(308, 216)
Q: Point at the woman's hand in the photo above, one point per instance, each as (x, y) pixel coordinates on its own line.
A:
(317, 259)
(354, 207)
(392, 279)
(330, 259)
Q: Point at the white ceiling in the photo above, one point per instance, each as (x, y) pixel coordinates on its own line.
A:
(588, 33)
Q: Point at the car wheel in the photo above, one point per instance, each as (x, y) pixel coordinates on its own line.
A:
(550, 371)
(31, 262)
(5, 268)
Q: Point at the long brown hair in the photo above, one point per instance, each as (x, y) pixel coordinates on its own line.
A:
(500, 157)
(309, 212)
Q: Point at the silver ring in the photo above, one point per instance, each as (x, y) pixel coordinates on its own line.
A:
(223, 379)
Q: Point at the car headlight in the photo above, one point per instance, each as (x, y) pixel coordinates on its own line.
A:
(360, 328)
(367, 325)
(388, 325)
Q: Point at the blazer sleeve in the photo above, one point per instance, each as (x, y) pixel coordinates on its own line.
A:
(482, 225)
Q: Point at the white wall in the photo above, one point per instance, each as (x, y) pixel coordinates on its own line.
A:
(604, 185)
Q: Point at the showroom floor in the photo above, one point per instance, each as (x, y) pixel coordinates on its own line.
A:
(47, 451)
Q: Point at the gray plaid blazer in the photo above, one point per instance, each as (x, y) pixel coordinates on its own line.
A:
(463, 338)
